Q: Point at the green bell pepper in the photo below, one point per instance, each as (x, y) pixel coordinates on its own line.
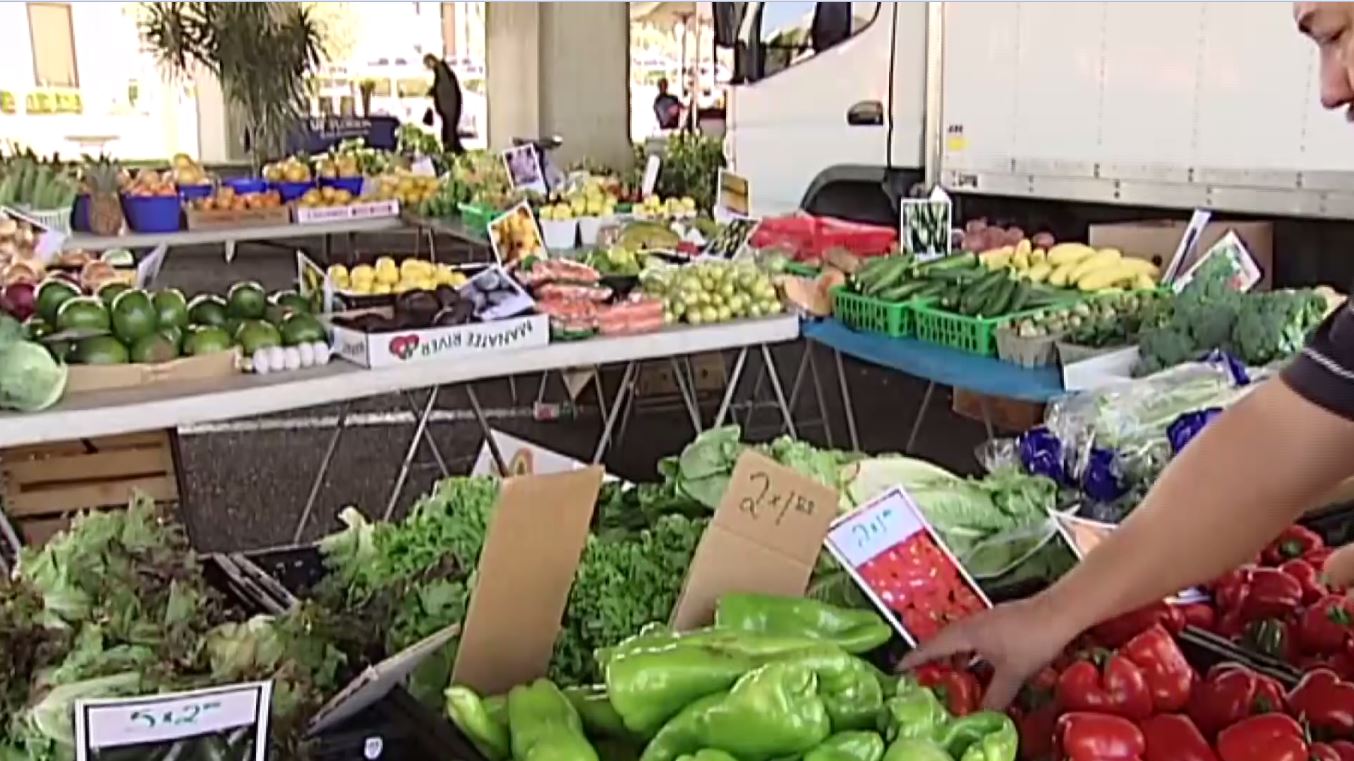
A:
(707, 754)
(982, 736)
(485, 730)
(649, 686)
(846, 684)
(594, 708)
(914, 712)
(849, 746)
(544, 726)
(916, 749)
(770, 713)
(855, 631)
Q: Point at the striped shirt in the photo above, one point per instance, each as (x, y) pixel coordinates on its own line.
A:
(1323, 373)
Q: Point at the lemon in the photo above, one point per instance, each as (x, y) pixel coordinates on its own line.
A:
(385, 261)
(338, 271)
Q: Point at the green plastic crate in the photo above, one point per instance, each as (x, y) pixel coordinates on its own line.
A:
(866, 313)
(477, 218)
(975, 335)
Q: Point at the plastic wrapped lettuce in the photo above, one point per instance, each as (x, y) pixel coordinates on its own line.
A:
(30, 379)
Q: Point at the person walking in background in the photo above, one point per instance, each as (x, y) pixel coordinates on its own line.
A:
(666, 107)
(446, 95)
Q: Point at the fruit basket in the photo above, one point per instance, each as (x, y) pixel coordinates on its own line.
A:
(866, 313)
(975, 335)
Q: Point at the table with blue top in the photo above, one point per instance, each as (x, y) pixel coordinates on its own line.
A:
(935, 364)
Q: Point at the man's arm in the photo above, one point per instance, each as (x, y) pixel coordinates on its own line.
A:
(1246, 477)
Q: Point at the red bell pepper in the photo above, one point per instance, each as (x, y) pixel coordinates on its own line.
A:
(1341, 663)
(1199, 615)
(1272, 737)
(1168, 675)
(1098, 737)
(1109, 683)
(1230, 693)
(1035, 726)
(1322, 752)
(1231, 625)
(1344, 750)
(1272, 637)
(1229, 590)
(1172, 737)
(1326, 625)
(1271, 593)
(1324, 703)
(957, 688)
(1317, 559)
(1294, 542)
(1308, 577)
(1122, 628)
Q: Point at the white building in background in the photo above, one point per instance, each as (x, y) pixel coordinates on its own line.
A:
(73, 80)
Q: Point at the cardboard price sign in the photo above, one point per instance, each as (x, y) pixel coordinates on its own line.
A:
(900, 562)
(765, 537)
(525, 571)
(173, 718)
(1083, 535)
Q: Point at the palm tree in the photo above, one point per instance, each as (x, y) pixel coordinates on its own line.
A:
(262, 53)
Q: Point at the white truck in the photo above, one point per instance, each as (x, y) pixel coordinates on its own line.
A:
(843, 107)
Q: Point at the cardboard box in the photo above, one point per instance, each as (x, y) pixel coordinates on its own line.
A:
(1158, 239)
(312, 215)
(225, 219)
(399, 347)
(1100, 370)
(1004, 414)
(765, 537)
(105, 377)
(526, 569)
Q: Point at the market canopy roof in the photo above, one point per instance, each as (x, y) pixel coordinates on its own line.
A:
(667, 14)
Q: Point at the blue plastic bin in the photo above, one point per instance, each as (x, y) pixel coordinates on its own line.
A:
(152, 214)
(290, 191)
(193, 192)
(245, 185)
(351, 184)
(80, 214)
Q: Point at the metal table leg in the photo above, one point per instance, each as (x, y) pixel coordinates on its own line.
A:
(921, 414)
(987, 417)
(692, 408)
(817, 395)
(486, 430)
(428, 436)
(734, 377)
(625, 390)
(848, 409)
(419, 428)
(318, 482)
(787, 415)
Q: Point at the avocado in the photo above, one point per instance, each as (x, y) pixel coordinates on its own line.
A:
(207, 309)
(51, 295)
(82, 313)
(206, 340)
(171, 308)
(173, 333)
(99, 350)
(291, 300)
(248, 301)
(110, 291)
(302, 329)
(153, 349)
(134, 316)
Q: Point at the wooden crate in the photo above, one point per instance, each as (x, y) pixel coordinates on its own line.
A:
(43, 486)
(1006, 414)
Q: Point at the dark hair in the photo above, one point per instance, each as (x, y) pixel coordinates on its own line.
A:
(663, 83)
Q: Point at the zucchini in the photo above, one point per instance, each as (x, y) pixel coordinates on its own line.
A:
(996, 303)
(949, 298)
(901, 292)
(930, 289)
(1019, 299)
(967, 260)
(889, 276)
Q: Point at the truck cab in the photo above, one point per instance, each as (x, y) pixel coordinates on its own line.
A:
(827, 104)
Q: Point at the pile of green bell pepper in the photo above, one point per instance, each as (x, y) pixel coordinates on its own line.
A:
(773, 679)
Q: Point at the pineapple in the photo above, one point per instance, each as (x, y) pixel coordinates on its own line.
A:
(102, 178)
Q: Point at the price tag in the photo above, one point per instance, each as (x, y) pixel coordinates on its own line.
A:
(149, 267)
(924, 225)
(1083, 535)
(173, 717)
(311, 279)
(1231, 255)
(765, 537)
(1189, 242)
(903, 565)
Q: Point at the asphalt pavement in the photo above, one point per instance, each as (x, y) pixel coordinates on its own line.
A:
(246, 482)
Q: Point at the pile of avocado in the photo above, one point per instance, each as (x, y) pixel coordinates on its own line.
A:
(121, 324)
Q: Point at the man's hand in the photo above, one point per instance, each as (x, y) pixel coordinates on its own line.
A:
(1017, 639)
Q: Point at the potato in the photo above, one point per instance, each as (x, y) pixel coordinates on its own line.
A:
(1044, 240)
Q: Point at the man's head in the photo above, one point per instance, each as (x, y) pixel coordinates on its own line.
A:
(1331, 26)
(430, 61)
(663, 85)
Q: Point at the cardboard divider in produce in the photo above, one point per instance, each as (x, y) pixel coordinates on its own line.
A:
(531, 551)
(1158, 240)
(232, 219)
(415, 345)
(104, 377)
(765, 537)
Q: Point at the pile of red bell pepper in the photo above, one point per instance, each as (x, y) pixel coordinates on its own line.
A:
(1144, 702)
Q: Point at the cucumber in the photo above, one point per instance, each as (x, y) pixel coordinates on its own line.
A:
(996, 303)
(967, 260)
(901, 292)
(949, 298)
(1020, 299)
(889, 276)
(930, 289)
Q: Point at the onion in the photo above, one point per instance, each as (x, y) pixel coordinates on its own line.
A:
(19, 300)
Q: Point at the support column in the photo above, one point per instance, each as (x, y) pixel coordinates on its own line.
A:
(564, 69)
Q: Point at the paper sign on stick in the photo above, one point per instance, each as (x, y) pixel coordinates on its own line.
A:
(522, 583)
(765, 537)
(149, 267)
(173, 719)
(1083, 535)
